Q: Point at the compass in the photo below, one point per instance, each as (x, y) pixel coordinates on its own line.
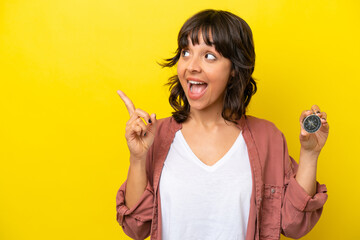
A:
(312, 123)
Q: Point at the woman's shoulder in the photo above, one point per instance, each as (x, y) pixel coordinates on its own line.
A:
(261, 126)
(167, 125)
(167, 121)
(265, 134)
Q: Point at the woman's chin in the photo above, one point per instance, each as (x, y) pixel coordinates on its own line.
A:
(200, 106)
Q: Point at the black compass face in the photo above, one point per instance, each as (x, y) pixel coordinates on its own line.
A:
(312, 123)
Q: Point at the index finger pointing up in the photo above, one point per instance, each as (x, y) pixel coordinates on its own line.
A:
(128, 103)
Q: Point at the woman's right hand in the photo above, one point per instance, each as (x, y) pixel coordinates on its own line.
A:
(139, 136)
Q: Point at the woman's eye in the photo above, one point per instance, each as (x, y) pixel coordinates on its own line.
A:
(185, 53)
(210, 56)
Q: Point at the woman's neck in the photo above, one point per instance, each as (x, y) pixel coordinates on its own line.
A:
(208, 118)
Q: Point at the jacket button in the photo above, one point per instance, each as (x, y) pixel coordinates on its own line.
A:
(272, 190)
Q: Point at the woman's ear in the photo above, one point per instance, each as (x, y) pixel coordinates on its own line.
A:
(233, 73)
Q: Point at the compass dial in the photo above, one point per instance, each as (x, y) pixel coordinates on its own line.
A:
(312, 123)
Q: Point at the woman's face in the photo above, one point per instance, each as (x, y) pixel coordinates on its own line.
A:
(203, 73)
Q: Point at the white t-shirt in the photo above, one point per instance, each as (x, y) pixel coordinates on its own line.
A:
(205, 202)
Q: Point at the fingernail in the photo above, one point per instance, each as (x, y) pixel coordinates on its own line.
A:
(323, 119)
(149, 121)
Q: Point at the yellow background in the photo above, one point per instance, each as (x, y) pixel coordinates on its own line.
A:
(63, 154)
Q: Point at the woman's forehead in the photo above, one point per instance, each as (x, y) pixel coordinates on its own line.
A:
(199, 36)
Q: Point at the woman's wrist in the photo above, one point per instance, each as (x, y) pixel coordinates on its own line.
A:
(137, 161)
(309, 155)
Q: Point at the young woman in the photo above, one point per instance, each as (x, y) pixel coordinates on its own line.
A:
(210, 171)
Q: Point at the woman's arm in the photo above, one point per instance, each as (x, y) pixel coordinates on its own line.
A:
(306, 175)
(136, 182)
(304, 196)
(311, 145)
(134, 200)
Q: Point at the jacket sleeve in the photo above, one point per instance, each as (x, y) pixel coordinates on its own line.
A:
(300, 212)
(135, 222)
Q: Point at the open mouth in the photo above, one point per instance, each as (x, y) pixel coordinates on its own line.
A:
(196, 89)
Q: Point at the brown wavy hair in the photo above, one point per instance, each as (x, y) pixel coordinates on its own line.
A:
(232, 38)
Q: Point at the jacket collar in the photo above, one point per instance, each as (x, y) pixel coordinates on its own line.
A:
(167, 140)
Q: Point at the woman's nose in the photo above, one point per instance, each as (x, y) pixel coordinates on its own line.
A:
(194, 65)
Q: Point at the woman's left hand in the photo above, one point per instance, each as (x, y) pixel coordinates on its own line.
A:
(314, 142)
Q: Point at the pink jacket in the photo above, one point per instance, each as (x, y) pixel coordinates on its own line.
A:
(278, 203)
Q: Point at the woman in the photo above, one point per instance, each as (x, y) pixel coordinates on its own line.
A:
(210, 171)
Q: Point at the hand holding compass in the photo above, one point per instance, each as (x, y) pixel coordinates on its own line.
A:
(314, 129)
